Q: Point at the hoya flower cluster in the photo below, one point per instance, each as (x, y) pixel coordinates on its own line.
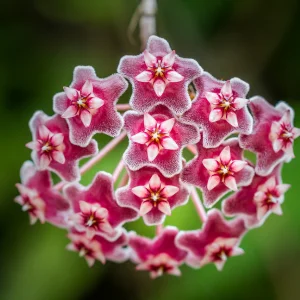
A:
(218, 123)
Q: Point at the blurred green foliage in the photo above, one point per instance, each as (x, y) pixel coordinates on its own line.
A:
(42, 41)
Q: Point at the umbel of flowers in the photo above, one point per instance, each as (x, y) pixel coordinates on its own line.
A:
(161, 119)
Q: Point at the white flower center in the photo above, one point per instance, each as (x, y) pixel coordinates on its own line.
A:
(46, 148)
(90, 222)
(224, 169)
(26, 207)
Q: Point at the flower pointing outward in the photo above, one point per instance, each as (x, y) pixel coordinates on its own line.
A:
(39, 199)
(159, 76)
(273, 135)
(157, 139)
(220, 109)
(94, 208)
(152, 195)
(223, 169)
(156, 136)
(82, 103)
(155, 194)
(89, 105)
(98, 248)
(218, 170)
(52, 149)
(214, 243)
(224, 105)
(159, 71)
(158, 256)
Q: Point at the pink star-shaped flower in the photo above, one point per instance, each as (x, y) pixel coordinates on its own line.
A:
(158, 256)
(52, 149)
(152, 194)
(159, 76)
(273, 135)
(214, 243)
(258, 200)
(217, 171)
(220, 109)
(157, 139)
(39, 199)
(98, 248)
(88, 105)
(95, 210)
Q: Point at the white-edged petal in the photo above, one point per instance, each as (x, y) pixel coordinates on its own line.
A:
(232, 119)
(164, 207)
(44, 132)
(149, 122)
(174, 76)
(70, 112)
(170, 190)
(87, 88)
(145, 76)
(212, 98)
(86, 118)
(238, 165)
(230, 182)
(58, 156)
(44, 161)
(210, 164)
(155, 182)
(213, 181)
(159, 87)
(169, 144)
(140, 138)
(277, 145)
(225, 156)
(167, 126)
(150, 59)
(169, 59)
(140, 191)
(71, 93)
(145, 208)
(226, 89)
(215, 115)
(239, 103)
(95, 103)
(57, 139)
(152, 152)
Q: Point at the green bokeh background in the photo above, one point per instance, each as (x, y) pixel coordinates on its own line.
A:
(42, 41)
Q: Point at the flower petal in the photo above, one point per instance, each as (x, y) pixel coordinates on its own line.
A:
(169, 59)
(140, 191)
(140, 138)
(106, 227)
(85, 207)
(150, 59)
(215, 115)
(167, 126)
(289, 150)
(169, 144)
(212, 98)
(145, 76)
(159, 87)
(213, 181)
(44, 161)
(32, 145)
(276, 209)
(232, 119)
(170, 190)
(238, 165)
(231, 183)
(58, 156)
(152, 152)
(164, 207)
(277, 145)
(44, 132)
(95, 103)
(296, 132)
(87, 88)
(237, 251)
(70, 112)
(174, 76)
(71, 93)
(282, 188)
(146, 206)
(149, 122)
(57, 139)
(239, 103)
(225, 156)
(155, 182)
(227, 90)
(210, 164)
(86, 118)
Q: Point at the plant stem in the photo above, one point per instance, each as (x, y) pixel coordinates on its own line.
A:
(118, 170)
(198, 205)
(192, 149)
(123, 107)
(159, 229)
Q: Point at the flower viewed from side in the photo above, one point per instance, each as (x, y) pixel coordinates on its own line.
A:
(152, 195)
(158, 256)
(217, 171)
(89, 105)
(157, 139)
(39, 199)
(159, 76)
(214, 243)
(220, 109)
(273, 135)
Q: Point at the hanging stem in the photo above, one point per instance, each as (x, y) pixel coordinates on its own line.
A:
(198, 205)
(118, 170)
(123, 107)
(192, 149)
(124, 179)
(159, 229)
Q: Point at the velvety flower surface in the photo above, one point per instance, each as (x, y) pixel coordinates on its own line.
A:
(39, 199)
(52, 149)
(159, 76)
(258, 200)
(157, 139)
(88, 105)
(95, 210)
(214, 243)
(220, 109)
(217, 171)
(158, 256)
(98, 248)
(152, 195)
(273, 135)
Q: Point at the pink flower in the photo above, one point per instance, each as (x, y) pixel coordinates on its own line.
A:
(159, 76)
(157, 139)
(214, 243)
(52, 149)
(99, 248)
(273, 135)
(220, 109)
(152, 194)
(95, 210)
(39, 199)
(218, 170)
(158, 256)
(257, 201)
(89, 105)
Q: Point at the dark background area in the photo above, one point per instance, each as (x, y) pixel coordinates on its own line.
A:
(41, 43)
